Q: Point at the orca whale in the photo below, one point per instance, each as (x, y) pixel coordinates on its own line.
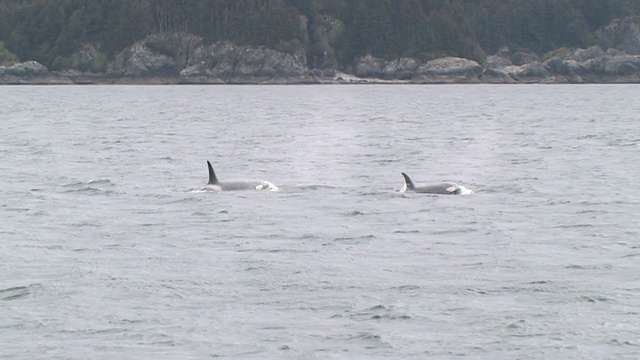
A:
(215, 185)
(446, 188)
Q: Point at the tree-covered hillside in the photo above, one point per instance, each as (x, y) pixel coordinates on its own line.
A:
(333, 32)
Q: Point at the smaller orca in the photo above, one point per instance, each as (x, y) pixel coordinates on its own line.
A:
(215, 185)
(443, 188)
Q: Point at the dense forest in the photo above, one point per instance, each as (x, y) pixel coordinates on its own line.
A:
(333, 32)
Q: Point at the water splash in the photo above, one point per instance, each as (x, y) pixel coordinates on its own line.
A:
(267, 186)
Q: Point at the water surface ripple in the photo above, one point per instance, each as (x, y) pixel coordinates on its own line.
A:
(107, 249)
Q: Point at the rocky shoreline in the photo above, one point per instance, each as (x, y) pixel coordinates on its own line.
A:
(183, 58)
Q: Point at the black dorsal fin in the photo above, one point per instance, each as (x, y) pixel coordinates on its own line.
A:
(408, 182)
(212, 175)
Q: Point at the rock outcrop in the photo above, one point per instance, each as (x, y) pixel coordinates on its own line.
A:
(449, 69)
(163, 54)
(184, 56)
(26, 69)
(373, 67)
(169, 58)
(522, 58)
(369, 67)
(530, 72)
(496, 76)
(566, 65)
(609, 68)
(621, 34)
(30, 72)
(227, 62)
(563, 67)
(401, 69)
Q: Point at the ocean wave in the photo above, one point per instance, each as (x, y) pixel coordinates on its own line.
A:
(14, 293)
(315, 187)
(17, 292)
(93, 187)
(90, 182)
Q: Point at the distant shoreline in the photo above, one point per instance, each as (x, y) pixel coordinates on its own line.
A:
(60, 80)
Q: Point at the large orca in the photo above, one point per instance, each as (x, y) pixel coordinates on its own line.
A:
(443, 188)
(215, 185)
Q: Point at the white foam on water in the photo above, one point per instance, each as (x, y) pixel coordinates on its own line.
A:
(267, 186)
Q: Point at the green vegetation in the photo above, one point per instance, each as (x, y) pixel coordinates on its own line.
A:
(333, 32)
(6, 56)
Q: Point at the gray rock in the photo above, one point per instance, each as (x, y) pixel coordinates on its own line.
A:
(558, 66)
(521, 58)
(139, 60)
(369, 66)
(211, 59)
(496, 76)
(579, 55)
(622, 34)
(26, 69)
(560, 53)
(582, 55)
(225, 60)
(614, 66)
(450, 67)
(530, 71)
(264, 62)
(31, 72)
(157, 54)
(498, 61)
(401, 69)
(184, 55)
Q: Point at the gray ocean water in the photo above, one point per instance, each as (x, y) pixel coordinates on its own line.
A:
(108, 250)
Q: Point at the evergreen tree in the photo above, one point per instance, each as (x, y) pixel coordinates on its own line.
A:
(51, 32)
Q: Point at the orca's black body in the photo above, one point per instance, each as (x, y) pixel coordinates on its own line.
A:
(442, 189)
